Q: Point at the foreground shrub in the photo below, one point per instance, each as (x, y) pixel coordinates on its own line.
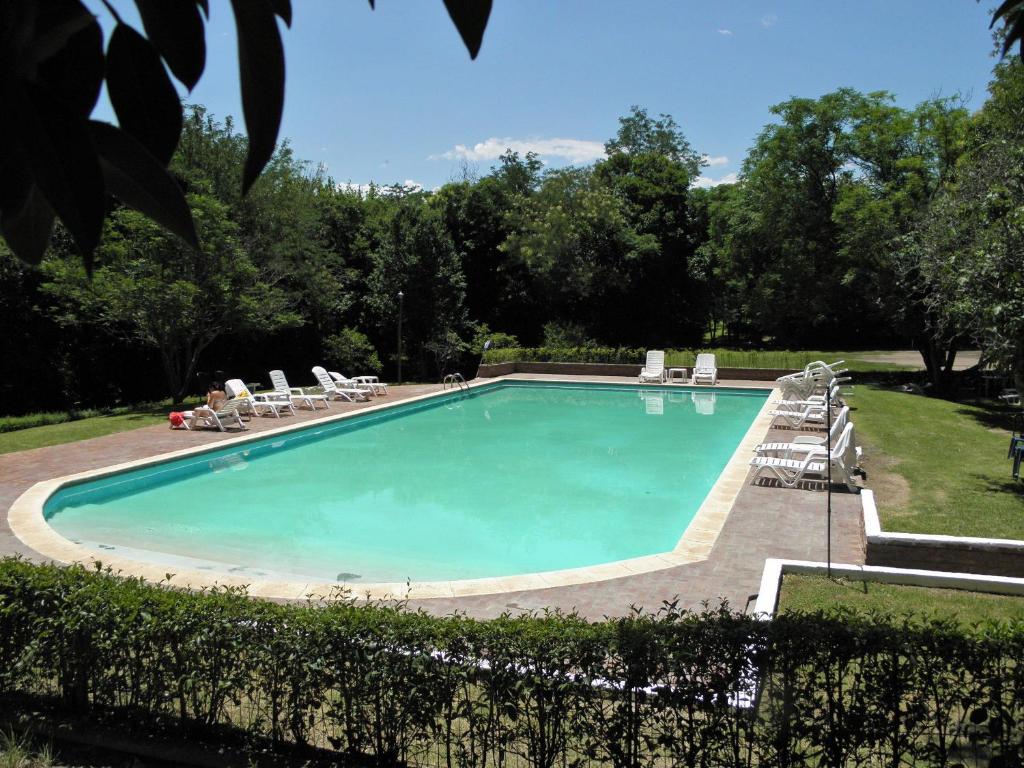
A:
(383, 684)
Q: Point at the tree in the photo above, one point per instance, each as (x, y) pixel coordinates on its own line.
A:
(650, 168)
(574, 239)
(149, 288)
(480, 216)
(968, 247)
(416, 256)
(639, 134)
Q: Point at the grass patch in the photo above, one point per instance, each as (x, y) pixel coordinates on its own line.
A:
(808, 593)
(938, 466)
(30, 420)
(18, 752)
(81, 429)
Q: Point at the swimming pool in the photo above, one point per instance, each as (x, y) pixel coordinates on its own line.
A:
(509, 478)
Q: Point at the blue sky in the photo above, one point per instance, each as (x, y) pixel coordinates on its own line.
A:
(391, 95)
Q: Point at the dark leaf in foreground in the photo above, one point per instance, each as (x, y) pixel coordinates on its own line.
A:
(27, 231)
(74, 71)
(283, 8)
(62, 161)
(176, 29)
(470, 17)
(261, 66)
(141, 93)
(136, 177)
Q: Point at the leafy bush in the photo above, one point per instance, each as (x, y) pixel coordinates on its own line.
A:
(388, 686)
(583, 354)
(351, 352)
(559, 333)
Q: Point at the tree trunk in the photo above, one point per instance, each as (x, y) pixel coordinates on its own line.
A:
(938, 362)
(1018, 365)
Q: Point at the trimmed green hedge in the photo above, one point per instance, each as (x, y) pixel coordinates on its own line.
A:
(389, 686)
(674, 358)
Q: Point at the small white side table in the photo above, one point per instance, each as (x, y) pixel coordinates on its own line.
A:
(677, 375)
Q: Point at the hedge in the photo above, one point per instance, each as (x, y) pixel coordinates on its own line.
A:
(384, 685)
(679, 358)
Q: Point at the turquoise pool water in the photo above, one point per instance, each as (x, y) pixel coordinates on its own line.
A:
(506, 479)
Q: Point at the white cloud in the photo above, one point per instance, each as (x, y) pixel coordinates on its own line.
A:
(573, 150)
(726, 32)
(769, 20)
(381, 189)
(715, 160)
(706, 182)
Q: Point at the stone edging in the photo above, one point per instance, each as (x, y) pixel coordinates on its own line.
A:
(28, 523)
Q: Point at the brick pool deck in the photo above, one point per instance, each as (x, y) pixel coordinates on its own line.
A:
(765, 521)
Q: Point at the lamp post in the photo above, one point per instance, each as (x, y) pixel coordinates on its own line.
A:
(401, 296)
(828, 473)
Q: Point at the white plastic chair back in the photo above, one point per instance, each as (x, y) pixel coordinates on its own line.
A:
(279, 381)
(323, 379)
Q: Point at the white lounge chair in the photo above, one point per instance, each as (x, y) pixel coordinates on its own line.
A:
(295, 394)
(654, 368)
(257, 404)
(379, 387)
(790, 472)
(801, 442)
(228, 414)
(1010, 396)
(812, 380)
(355, 382)
(835, 397)
(808, 415)
(705, 370)
(350, 394)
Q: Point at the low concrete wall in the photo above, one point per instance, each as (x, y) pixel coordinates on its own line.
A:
(961, 557)
(961, 554)
(614, 369)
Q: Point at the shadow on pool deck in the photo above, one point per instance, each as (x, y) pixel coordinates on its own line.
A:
(766, 521)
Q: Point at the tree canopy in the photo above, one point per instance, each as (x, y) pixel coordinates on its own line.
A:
(855, 222)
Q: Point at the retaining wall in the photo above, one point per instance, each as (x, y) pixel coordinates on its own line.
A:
(961, 554)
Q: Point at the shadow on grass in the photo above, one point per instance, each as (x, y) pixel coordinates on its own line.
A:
(992, 416)
(1010, 486)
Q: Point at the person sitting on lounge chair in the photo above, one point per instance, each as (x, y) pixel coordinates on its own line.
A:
(216, 397)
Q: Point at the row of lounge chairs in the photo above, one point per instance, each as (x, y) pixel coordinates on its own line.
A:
(705, 370)
(812, 398)
(283, 398)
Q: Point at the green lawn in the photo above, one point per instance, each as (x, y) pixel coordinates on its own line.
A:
(809, 593)
(96, 426)
(938, 466)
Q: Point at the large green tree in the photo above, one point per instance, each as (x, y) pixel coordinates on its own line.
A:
(968, 248)
(148, 288)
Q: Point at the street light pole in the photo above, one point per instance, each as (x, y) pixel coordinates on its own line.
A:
(401, 296)
(828, 474)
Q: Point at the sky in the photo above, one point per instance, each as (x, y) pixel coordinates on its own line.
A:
(391, 96)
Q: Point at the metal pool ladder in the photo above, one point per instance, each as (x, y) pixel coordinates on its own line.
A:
(455, 380)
